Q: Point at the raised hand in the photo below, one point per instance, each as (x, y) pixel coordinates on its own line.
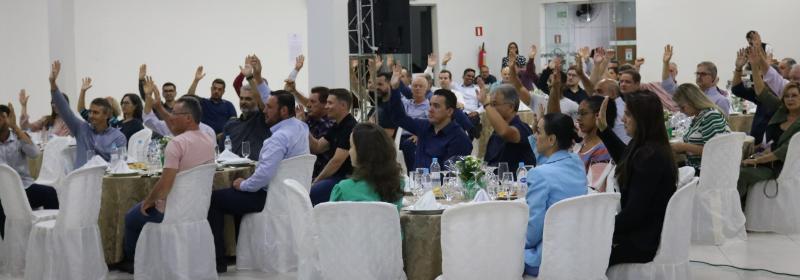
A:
(289, 85)
(741, 58)
(579, 63)
(142, 71)
(638, 63)
(667, 53)
(432, 60)
(298, 62)
(255, 62)
(299, 112)
(611, 54)
(198, 74)
(533, 52)
(148, 86)
(447, 57)
(390, 60)
(397, 71)
(583, 53)
(55, 69)
(482, 92)
(599, 55)
(378, 62)
(601, 122)
(23, 98)
(11, 119)
(86, 83)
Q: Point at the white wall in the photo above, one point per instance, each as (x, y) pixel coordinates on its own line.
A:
(24, 53)
(710, 30)
(108, 40)
(455, 30)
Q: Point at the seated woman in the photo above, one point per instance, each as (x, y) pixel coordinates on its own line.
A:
(707, 122)
(592, 152)
(376, 174)
(51, 125)
(559, 176)
(132, 108)
(646, 175)
(780, 129)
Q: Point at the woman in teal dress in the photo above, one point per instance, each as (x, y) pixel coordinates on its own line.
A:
(376, 174)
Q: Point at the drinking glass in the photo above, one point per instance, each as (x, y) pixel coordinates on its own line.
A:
(449, 188)
(216, 154)
(123, 154)
(416, 186)
(502, 168)
(508, 182)
(245, 149)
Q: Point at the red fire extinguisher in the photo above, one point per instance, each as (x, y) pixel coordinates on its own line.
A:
(482, 56)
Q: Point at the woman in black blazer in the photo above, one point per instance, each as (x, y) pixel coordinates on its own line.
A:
(646, 175)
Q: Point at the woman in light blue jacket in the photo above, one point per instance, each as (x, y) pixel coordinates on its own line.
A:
(560, 175)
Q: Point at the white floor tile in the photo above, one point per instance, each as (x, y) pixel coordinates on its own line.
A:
(707, 253)
(763, 250)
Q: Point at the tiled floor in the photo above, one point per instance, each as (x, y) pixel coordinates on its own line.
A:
(779, 253)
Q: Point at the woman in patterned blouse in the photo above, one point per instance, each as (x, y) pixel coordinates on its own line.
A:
(707, 122)
(513, 53)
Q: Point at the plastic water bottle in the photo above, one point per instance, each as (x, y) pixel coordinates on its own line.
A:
(228, 145)
(436, 174)
(522, 173)
(426, 181)
(114, 153)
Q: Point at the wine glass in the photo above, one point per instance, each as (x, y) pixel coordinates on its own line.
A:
(502, 168)
(508, 183)
(245, 149)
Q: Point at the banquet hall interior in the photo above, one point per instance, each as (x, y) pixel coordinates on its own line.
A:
(399, 139)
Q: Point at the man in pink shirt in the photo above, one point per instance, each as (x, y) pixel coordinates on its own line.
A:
(190, 148)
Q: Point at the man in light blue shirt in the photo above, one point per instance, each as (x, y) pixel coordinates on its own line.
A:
(94, 137)
(707, 81)
(289, 139)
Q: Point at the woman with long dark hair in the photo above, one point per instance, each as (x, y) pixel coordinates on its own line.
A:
(646, 175)
(376, 174)
(132, 108)
(559, 176)
(512, 54)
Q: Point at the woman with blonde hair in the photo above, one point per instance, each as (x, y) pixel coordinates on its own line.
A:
(707, 122)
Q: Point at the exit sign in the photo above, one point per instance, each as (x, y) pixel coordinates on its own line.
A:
(562, 14)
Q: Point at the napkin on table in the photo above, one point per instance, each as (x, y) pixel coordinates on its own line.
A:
(427, 202)
(481, 196)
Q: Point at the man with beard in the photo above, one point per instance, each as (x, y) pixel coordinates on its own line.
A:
(250, 125)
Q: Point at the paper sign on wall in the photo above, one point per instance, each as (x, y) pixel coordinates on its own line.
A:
(628, 54)
(478, 31)
(295, 46)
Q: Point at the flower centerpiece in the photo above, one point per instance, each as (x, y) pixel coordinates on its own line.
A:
(471, 174)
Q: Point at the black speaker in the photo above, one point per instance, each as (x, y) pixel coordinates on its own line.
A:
(391, 22)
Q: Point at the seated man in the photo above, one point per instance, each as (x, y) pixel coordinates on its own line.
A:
(216, 111)
(153, 104)
(289, 139)
(190, 148)
(250, 126)
(316, 118)
(16, 147)
(438, 136)
(335, 144)
(509, 141)
(416, 108)
(94, 137)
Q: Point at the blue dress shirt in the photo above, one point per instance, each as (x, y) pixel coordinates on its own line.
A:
(289, 139)
(559, 176)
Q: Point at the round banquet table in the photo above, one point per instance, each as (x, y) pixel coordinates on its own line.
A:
(422, 249)
(122, 193)
(740, 122)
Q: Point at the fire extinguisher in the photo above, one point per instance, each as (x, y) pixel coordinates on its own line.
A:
(482, 56)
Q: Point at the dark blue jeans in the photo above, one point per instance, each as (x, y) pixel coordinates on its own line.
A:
(232, 202)
(38, 196)
(321, 191)
(134, 222)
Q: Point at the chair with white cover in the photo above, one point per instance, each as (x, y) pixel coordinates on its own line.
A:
(718, 216)
(137, 145)
(19, 220)
(484, 240)
(399, 158)
(597, 176)
(672, 258)
(577, 237)
(772, 205)
(267, 240)
(354, 241)
(685, 175)
(181, 246)
(56, 161)
(611, 181)
(69, 247)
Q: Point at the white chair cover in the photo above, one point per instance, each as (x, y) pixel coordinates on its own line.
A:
(57, 161)
(137, 145)
(181, 247)
(774, 205)
(397, 136)
(598, 182)
(672, 259)
(577, 237)
(718, 215)
(19, 220)
(484, 240)
(685, 175)
(611, 181)
(267, 240)
(69, 247)
(354, 241)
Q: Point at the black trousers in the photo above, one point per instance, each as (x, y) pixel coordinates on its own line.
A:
(38, 196)
(232, 202)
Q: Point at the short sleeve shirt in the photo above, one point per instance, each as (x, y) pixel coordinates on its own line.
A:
(188, 150)
(338, 137)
